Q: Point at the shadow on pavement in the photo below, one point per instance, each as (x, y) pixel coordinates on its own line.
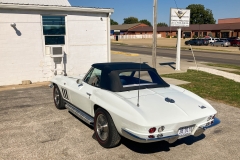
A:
(169, 64)
(146, 148)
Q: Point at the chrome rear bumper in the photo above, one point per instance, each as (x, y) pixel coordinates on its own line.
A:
(131, 136)
(169, 139)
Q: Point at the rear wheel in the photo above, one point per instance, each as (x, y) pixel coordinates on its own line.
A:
(58, 100)
(105, 130)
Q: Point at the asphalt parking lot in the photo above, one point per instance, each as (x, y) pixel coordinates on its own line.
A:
(32, 128)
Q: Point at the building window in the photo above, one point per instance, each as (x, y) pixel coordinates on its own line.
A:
(204, 34)
(225, 35)
(54, 29)
(187, 34)
(195, 34)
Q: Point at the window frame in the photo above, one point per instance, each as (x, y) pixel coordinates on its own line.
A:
(89, 76)
(54, 35)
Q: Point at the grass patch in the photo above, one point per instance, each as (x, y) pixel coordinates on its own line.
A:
(210, 86)
(223, 65)
(235, 72)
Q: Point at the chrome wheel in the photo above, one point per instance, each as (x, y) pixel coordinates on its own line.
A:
(56, 96)
(102, 127)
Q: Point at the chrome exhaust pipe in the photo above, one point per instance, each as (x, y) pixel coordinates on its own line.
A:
(199, 131)
(173, 139)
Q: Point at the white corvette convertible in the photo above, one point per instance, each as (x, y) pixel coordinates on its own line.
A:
(133, 101)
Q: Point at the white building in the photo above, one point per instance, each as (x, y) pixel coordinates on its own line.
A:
(29, 33)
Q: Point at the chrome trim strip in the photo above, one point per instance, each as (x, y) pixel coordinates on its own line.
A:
(80, 114)
(143, 140)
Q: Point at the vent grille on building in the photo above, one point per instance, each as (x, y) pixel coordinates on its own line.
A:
(57, 50)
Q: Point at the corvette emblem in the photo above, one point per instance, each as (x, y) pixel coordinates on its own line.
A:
(169, 100)
(180, 14)
(202, 107)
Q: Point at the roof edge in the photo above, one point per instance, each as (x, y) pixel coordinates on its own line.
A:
(54, 8)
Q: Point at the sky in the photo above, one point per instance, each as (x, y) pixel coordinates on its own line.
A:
(143, 9)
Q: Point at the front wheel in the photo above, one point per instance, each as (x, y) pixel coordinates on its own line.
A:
(58, 100)
(222, 45)
(105, 130)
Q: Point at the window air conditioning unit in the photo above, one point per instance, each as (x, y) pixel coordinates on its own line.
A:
(56, 51)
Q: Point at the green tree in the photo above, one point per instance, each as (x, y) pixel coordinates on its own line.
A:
(113, 22)
(200, 15)
(144, 21)
(162, 24)
(130, 20)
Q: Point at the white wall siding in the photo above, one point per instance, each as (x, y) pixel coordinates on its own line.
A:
(41, 2)
(23, 52)
(21, 49)
(87, 41)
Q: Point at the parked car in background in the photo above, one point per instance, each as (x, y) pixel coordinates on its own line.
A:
(197, 42)
(224, 39)
(223, 43)
(212, 40)
(205, 41)
(235, 42)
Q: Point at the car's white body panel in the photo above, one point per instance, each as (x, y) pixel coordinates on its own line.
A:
(153, 109)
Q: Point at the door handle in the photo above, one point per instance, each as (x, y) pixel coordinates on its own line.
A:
(88, 94)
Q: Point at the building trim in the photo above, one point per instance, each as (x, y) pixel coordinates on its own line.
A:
(54, 8)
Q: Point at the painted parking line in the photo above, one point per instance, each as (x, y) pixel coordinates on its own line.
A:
(125, 53)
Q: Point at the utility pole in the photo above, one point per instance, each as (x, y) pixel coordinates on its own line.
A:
(154, 48)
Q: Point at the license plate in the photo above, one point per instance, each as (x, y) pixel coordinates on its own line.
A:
(184, 131)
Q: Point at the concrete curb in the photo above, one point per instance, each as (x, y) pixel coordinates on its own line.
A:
(227, 75)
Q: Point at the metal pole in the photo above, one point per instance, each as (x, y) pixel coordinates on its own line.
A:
(154, 49)
(178, 49)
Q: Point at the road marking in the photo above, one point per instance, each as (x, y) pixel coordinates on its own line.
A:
(125, 53)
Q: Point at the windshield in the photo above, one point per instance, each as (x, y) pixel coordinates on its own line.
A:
(131, 78)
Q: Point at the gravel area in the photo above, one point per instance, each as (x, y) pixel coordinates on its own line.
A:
(31, 128)
(227, 75)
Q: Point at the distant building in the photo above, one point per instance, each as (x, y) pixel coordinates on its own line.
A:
(125, 28)
(226, 28)
(228, 20)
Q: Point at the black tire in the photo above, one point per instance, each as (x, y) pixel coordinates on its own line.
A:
(221, 45)
(57, 97)
(107, 137)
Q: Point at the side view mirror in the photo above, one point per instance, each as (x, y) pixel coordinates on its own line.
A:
(79, 81)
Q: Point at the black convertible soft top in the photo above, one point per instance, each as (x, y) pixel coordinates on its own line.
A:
(120, 66)
(110, 79)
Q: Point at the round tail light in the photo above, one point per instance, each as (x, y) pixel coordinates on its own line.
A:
(152, 130)
(151, 136)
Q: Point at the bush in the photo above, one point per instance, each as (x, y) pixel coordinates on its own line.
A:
(174, 36)
(168, 36)
(194, 36)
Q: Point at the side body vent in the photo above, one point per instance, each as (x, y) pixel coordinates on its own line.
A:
(65, 94)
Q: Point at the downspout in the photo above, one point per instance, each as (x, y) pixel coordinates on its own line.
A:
(108, 39)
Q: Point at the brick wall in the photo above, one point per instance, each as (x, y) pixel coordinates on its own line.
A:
(229, 20)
